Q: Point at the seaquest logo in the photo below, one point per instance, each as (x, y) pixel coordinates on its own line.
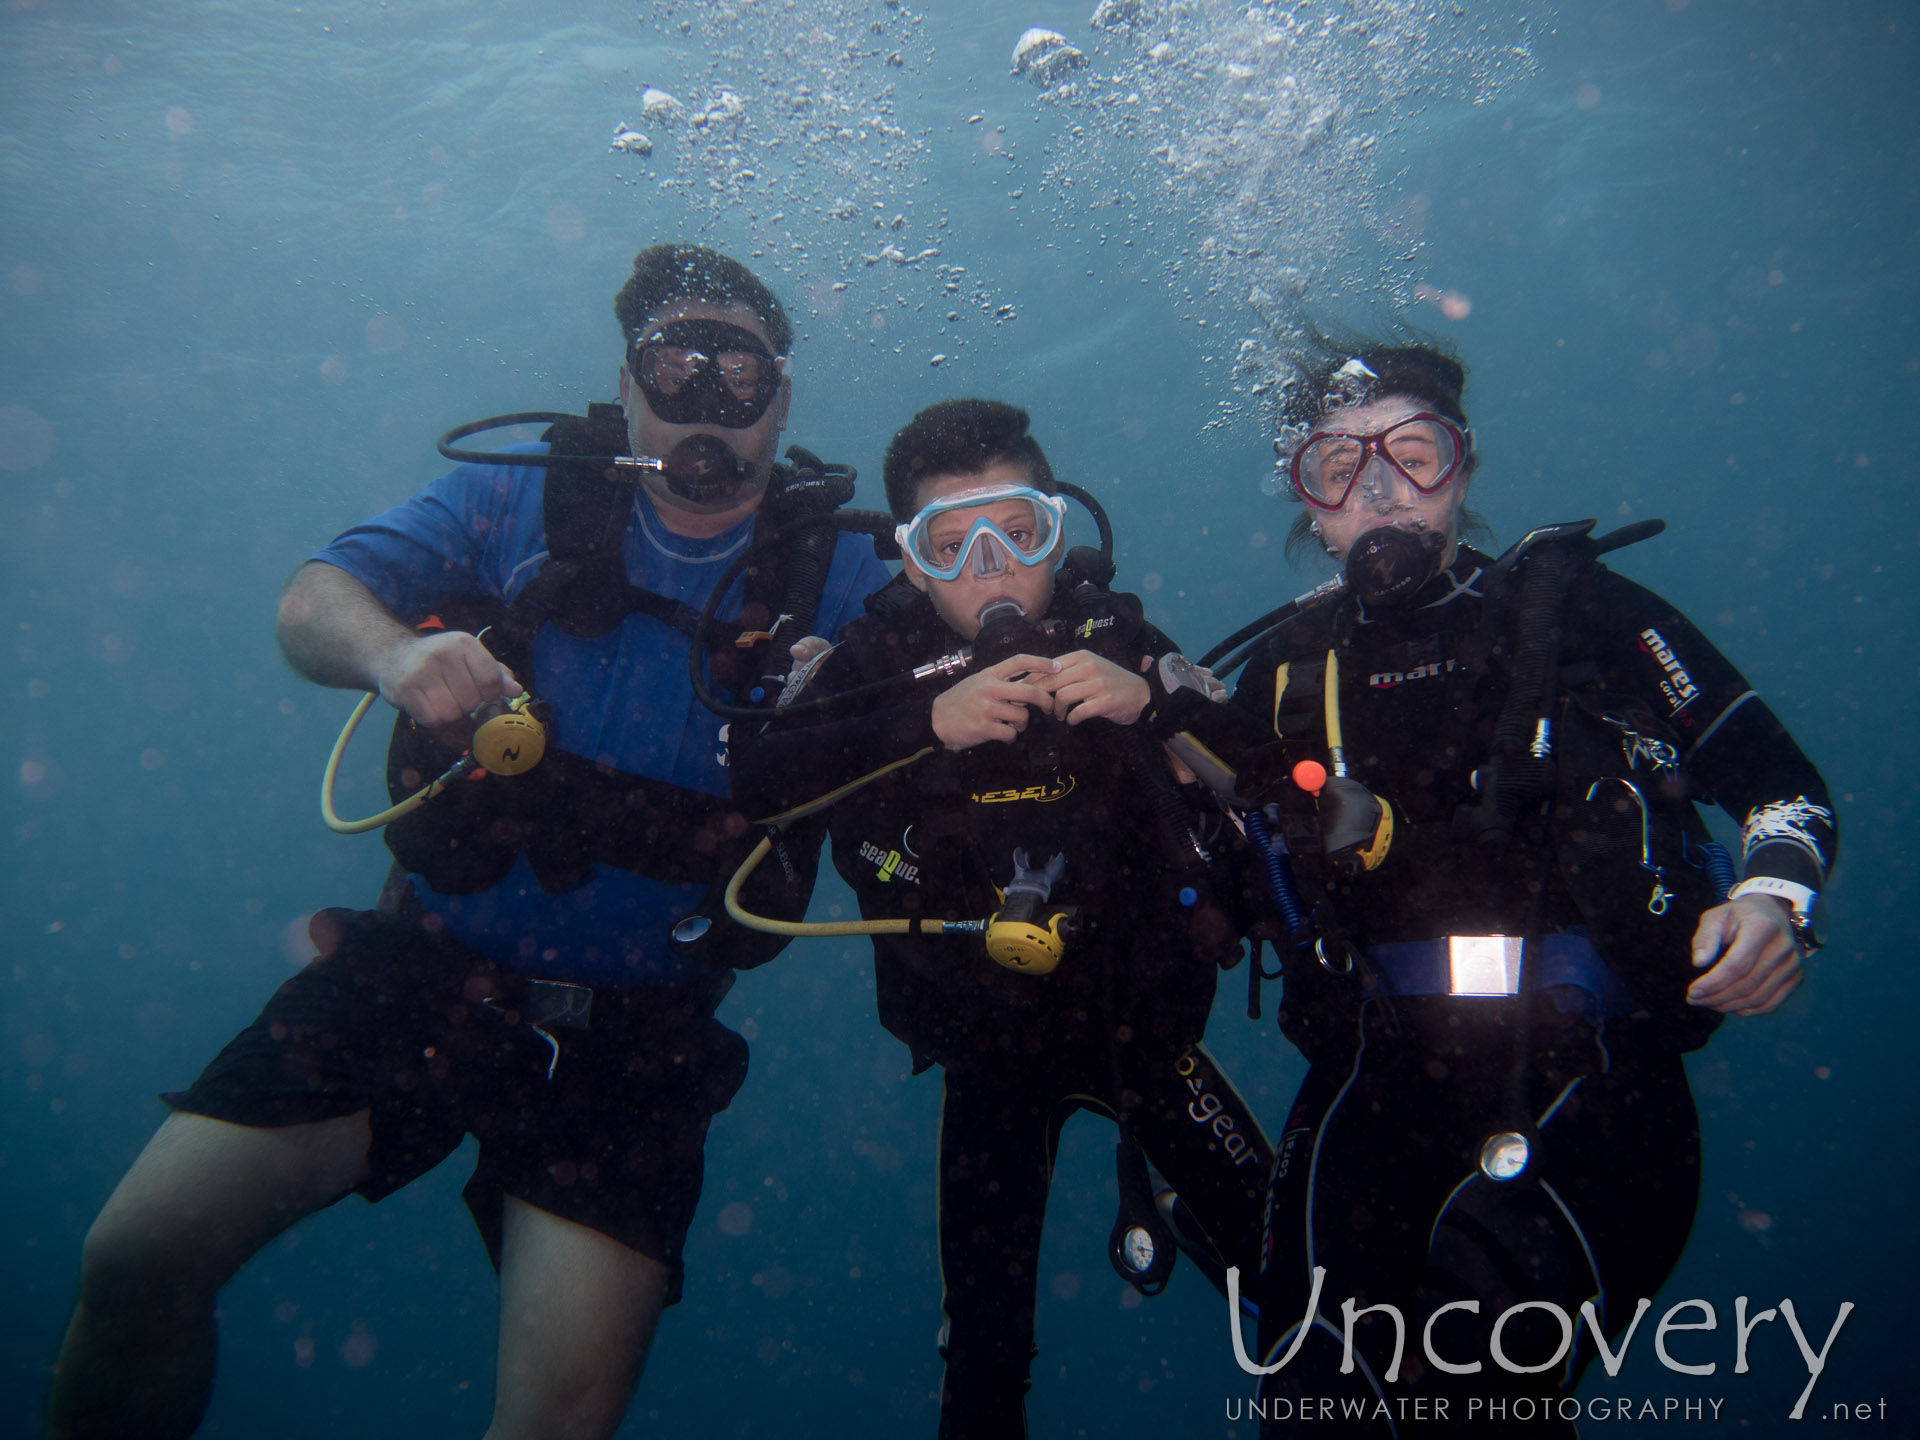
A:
(1086, 628)
(1678, 686)
(889, 864)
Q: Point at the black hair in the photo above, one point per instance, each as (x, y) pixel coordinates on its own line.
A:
(1327, 377)
(1334, 371)
(665, 274)
(960, 437)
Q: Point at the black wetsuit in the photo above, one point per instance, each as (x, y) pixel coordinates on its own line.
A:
(1116, 1023)
(1376, 1178)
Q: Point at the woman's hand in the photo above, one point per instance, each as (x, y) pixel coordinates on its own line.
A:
(993, 705)
(1084, 686)
(1754, 954)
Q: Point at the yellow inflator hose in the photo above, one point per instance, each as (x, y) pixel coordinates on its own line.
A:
(831, 927)
(509, 741)
(463, 766)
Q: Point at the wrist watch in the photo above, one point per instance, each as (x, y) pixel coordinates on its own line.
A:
(1809, 917)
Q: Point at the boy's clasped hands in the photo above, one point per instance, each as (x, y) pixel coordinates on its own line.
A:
(999, 701)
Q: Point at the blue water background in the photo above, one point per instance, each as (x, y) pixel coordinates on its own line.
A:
(257, 256)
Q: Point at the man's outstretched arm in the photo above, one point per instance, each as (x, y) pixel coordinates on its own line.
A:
(334, 631)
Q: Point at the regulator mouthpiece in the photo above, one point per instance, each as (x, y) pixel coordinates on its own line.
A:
(703, 470)
(1387, 567)
(1001, 612)
(1005, 631)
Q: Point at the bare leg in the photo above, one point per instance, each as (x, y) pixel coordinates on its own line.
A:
(577, 1313)
(203, 1196)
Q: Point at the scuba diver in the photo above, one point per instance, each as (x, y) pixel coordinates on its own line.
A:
(1501, 920)
(1012, 794)
(520, 983)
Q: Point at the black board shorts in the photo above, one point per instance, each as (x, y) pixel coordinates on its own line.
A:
(604, 1126)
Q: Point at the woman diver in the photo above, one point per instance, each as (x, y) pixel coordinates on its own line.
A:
(1504, 923)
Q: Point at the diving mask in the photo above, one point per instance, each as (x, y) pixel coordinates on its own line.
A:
(1425, 450)
(987, 530)
(705, 372)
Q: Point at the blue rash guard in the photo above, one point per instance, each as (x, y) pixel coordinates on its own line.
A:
(621, 699)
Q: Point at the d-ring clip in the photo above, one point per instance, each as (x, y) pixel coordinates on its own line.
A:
(1320, 952)
(1661, 897)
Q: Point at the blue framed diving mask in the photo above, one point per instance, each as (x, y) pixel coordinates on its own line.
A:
(1020, 525)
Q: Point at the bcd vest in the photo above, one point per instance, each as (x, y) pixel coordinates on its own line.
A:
(1438, 880)
(571, 813)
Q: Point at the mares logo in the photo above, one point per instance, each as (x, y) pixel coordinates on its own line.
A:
(1283, 1162)
(889, 864)
(1387, 679)
(1678, 686)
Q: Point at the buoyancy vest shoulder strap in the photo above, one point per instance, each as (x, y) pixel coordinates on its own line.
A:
(1299, 698)
(582, 584)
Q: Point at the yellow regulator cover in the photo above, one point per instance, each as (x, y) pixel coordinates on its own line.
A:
(1023, 946)
(510, 743)
(1382, 841)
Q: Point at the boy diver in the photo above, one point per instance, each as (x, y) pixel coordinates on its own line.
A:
(1033, 794)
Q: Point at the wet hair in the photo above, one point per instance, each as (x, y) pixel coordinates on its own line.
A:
(960, 437)
(1331, 381)
(664, 275)
(1326, 378)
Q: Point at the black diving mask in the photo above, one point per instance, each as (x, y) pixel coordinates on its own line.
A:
(705, 372)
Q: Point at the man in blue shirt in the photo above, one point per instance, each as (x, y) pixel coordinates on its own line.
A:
(523, 988)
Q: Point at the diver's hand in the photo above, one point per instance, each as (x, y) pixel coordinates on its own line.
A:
(439, 678)
(1084, 686)
(809, 647)
(1754, 954)
(992, 705)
